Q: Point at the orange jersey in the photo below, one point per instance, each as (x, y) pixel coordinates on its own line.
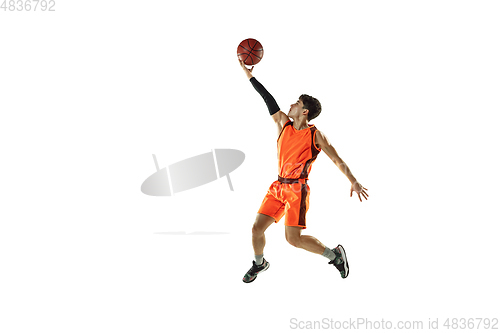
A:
(296, 151)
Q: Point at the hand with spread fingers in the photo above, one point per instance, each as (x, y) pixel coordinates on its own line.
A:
(360, 190)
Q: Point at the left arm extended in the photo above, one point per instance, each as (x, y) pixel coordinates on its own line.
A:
(322, 142)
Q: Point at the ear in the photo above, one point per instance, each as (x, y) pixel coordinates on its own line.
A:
(305, 111)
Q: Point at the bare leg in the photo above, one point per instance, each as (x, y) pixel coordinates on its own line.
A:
(308, 243)
(262, 222)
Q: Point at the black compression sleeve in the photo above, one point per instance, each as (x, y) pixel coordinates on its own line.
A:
(272, 106)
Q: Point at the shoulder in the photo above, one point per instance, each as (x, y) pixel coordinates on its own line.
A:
(318, 136)
(280, 118)
(320, 139)
(282, 121)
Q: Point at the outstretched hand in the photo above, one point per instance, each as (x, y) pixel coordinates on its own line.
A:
(360, 190)
(248, 71)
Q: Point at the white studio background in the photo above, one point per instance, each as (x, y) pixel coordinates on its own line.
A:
(89, 92)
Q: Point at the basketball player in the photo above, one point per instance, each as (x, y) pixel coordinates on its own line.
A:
(298, 146)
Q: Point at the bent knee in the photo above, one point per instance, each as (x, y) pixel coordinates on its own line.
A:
(294, 241)
(262, 222)
(257, 229)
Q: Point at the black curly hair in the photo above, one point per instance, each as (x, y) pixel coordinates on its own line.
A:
(312, 104)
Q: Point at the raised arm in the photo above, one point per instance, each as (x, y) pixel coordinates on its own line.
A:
(279, 117)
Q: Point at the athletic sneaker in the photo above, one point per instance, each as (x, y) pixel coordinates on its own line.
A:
(256, 269)
(340, 262)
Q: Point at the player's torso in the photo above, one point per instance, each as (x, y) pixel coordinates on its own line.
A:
(296, 151)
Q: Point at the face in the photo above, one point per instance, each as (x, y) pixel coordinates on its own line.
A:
(296, 109)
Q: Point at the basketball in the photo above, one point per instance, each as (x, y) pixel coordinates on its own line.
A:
(250, 51)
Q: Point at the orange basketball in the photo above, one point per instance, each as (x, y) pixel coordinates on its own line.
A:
(250, 51)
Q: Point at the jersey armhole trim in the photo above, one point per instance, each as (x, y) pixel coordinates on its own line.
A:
(314, 141)
(282, 129)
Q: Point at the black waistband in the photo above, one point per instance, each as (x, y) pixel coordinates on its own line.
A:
(290, 180)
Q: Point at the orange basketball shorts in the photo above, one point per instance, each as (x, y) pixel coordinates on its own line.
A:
(289, 199)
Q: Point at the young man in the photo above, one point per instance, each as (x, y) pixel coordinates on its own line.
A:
(298, 146)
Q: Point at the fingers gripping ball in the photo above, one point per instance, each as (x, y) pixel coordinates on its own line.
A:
(250, 51)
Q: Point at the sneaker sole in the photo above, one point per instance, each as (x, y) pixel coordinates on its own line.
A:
(265, 269)
(344, 258)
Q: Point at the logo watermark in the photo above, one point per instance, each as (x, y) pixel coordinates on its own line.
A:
(28, 5)
(193, 172)
(354, 324)
(383, 324)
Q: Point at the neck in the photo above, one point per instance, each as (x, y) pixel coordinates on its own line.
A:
(300, 123)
